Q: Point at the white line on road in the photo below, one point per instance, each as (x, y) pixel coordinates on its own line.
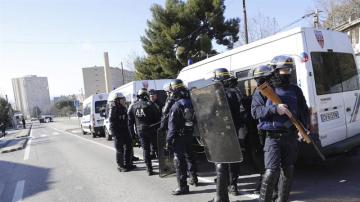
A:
(56, 133)
(19, 190)
(27, 150)
(102, 145)
(206, 180)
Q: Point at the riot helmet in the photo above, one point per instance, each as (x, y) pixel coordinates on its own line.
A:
(221, 74)
(262, 74)
(116, 96)
(282, 66)
(143, 94)
(178, 89)
(166, 87)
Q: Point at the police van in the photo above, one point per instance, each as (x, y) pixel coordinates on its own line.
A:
(91, 121)
(325, 71)
(130, 90)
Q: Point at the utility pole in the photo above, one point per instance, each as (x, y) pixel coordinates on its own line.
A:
(107, 73)
(245, 24)
(122, 73)
(316, 18)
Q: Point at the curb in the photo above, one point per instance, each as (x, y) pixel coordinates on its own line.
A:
(18, 146)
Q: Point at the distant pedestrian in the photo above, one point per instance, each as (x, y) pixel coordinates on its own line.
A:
(23, 122)
(3, 128)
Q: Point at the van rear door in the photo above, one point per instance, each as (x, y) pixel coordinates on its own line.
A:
(328, 98)
(351, 95)
(337, 95)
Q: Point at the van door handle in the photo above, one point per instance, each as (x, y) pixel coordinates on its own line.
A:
(348, 109)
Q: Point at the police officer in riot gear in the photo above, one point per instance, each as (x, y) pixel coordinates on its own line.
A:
(281, 144)
(261, 74)
(227, 181)
(165, 110)
(144, 115)
(118, 119)
(180, 136)
(153, 146)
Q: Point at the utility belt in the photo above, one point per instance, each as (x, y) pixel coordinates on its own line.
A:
(276, 134)
(182, 133)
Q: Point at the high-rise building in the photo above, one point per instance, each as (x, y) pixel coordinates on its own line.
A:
(94, 79)
(31, 92)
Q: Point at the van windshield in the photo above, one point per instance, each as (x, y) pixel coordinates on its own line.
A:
(334, 72)
(100, 105)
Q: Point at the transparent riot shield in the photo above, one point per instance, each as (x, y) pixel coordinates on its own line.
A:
(216, 126)
(166, 162)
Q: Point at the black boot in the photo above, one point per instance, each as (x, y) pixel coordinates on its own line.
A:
(233, 189)
(268, 184)
(194, 180)
(181, 191)
(183, 188)
(285, 183)
(222, 176)
(150, 171)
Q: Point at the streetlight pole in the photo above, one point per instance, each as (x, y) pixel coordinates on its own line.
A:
(245, 24)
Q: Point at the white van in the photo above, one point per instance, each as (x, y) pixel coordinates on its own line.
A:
(92, 122)
(325, 70)
(130, 90)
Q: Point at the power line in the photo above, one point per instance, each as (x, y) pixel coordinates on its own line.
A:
(67, 42)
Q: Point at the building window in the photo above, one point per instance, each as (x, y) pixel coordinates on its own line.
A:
(357, 37)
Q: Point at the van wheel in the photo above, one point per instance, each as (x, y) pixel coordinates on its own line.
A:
(83, 132)
(107, 135)
(92, 132)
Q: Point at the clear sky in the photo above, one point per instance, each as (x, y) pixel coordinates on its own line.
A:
(56, 38)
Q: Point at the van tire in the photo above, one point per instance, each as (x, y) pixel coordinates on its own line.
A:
(83, 132)
(107, 135)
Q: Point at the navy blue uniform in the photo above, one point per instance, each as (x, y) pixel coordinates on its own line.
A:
(179, 137)
(118, 119)
(281, 145)
(144, 115)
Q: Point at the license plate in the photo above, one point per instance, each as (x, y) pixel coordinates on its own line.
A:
(329, 116)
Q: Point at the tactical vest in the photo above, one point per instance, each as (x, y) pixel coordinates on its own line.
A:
(188, 114)
(143, 113)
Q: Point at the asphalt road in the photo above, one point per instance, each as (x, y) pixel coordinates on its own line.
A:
(61, 164)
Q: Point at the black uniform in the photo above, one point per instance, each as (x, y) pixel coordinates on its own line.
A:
(179, 137)
(224, 177)
(165, 113)
(281, 143)
(118, 125)
(144, 114)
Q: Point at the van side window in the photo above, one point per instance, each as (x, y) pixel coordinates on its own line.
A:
(86, 109)
(334, 72)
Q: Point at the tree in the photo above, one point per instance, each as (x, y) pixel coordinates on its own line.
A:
(5, 108)
(64, 107)
(259, 27)
(180, 31)
(338, 12)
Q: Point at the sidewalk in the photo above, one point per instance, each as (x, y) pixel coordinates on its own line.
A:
(14, 140)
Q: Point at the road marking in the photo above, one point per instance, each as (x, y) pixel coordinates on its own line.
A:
(203, 179)
(27, 150)
(19, 190)
(43, 135)
(102, 145)
(242, 192)
(56, 133)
